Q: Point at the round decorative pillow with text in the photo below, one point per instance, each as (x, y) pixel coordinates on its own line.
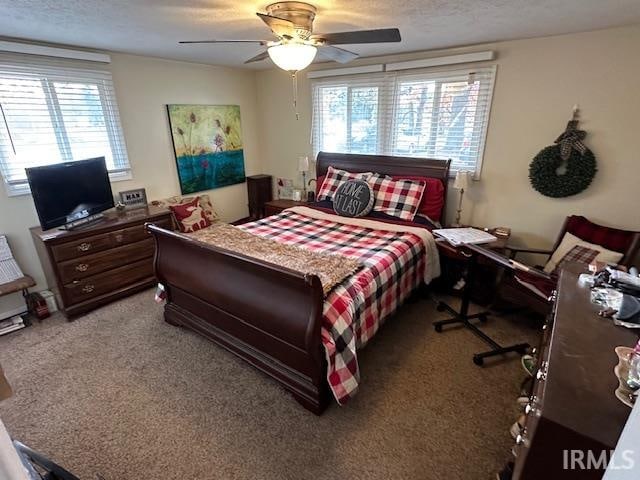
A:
(354, 198)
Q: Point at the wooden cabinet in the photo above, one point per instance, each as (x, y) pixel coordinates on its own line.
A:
(573, 405)
(91, 266)
(274, 207)
(260, 191)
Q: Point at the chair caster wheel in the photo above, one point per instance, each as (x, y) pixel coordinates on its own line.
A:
(438, 328)
(478, 360)
(440, 307)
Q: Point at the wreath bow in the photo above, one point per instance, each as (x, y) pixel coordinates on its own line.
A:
(570, 139)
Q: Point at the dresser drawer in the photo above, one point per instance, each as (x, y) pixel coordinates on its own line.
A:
(109, 281)
(137, 232)
(89, 265)
(78, 248)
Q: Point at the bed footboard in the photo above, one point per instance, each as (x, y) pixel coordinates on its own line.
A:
(266, 314)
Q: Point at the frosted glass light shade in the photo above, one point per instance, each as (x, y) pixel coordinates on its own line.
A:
(462, 180)
(292, 56)
(303, 164)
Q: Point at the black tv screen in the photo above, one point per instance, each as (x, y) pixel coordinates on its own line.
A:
(66, 192)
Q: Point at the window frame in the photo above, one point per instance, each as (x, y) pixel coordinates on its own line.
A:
(388, 92)
(110, 115)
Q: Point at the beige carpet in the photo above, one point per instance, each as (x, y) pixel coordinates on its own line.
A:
(120, 394)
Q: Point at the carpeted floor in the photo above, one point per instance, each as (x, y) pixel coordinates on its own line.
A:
(119, 394)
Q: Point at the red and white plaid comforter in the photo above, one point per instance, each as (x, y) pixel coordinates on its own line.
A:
(395, 264)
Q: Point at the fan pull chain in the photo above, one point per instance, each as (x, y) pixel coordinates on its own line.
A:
(294, 77)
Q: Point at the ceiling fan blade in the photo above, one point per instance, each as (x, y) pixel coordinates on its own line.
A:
(280, 26)
(383, 35)
(261, 56)
(261, 42)
(339, 55)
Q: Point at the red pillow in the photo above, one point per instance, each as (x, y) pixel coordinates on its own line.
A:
(319, 182)
(190, 216)
(433, 198)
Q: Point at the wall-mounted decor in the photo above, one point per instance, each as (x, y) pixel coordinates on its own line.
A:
(207, 141)
(566, 168)
(134, 198)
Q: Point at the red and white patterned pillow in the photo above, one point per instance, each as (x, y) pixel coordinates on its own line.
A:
(398, 198)
(579, 254)
(190, 216)
(336, 177)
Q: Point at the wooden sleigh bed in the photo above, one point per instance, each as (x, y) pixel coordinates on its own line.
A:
(266, 314)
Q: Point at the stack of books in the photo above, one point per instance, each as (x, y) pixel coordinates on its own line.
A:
(11, 324)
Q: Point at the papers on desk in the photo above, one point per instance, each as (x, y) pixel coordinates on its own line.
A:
(464, 236)
(9, 269)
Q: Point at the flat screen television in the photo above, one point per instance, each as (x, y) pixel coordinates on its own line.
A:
(68, 192)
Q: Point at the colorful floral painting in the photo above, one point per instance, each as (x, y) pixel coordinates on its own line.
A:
(207, 141)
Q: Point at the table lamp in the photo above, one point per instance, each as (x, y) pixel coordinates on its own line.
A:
(461, 182)
(303, 168)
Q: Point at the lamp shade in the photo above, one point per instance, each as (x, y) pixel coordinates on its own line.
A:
(303, 164)
(292, 56)
(462, 180)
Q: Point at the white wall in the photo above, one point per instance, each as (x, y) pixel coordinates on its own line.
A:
(537, 83)
(143, 88)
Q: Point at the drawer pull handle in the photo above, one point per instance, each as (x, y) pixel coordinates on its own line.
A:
(84, 246)
(542, 372)
(521, 440)
(88, 288)
(82, 267)
(119, 237)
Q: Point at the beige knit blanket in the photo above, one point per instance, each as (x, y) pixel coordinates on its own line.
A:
(330, 268)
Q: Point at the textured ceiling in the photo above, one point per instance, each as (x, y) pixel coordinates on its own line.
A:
(153, 27)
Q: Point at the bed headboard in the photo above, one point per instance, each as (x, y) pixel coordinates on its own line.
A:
(387, 165)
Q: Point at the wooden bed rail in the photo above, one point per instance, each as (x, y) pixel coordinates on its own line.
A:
(264, 313)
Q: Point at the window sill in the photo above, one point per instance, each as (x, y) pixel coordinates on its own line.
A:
(21, 189)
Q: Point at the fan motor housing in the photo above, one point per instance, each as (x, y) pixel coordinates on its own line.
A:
(300, 13)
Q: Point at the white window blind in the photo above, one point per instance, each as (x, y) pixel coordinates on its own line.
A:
(54, 111)
(441, 114)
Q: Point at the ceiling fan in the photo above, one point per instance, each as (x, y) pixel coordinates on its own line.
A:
(296, 45)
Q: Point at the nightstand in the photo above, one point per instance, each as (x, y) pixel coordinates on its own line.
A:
(274, 207)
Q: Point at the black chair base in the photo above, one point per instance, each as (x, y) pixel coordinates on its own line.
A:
(465, 320)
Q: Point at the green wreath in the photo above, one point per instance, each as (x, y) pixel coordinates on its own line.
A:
(549, 178)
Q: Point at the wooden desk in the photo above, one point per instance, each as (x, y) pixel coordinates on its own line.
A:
(573, 405)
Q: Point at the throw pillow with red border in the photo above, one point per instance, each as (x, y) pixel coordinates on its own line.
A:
(398, 198)
(190, 216)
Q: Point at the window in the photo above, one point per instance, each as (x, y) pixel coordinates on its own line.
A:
(52, 112)
(436, 115)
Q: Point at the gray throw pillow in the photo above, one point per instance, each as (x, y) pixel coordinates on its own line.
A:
(354, 198)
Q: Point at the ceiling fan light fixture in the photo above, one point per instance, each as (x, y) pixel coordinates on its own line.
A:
(292, 57)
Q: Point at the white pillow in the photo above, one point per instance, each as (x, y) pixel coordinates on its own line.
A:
(569, 241)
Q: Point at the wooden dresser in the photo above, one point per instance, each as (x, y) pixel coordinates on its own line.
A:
(91, 266)
(259, 191)
(573, 405)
